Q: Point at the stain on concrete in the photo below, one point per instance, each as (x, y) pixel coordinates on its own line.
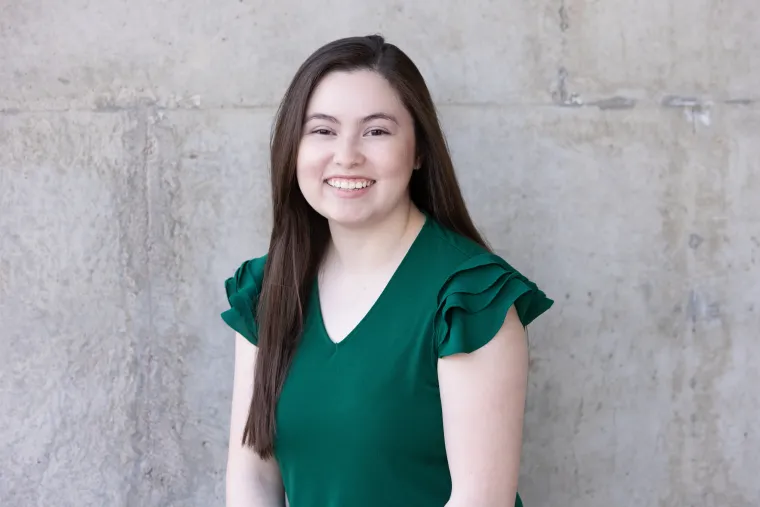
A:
(700, 308)
(713, 311)
(696, 110)
(561, 96)
(105, 104)
(578, 417)
(692, 307)
(695, 240)
(613, 103)
(64, 80)
(699, 114)
(740, 102)
(680, 101)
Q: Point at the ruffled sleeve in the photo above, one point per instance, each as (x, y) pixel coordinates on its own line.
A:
(243, 295)
(474, 300)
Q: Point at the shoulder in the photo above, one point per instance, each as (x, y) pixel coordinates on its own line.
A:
(461, 260)
(443, 253)
(451, 246)
(244, 286)
(242, 289)
(250, 272)
(477, 289)
(471, 268)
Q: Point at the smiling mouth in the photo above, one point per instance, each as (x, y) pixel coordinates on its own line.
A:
(349, 184)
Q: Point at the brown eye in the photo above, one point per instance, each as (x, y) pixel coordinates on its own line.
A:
(377, 132)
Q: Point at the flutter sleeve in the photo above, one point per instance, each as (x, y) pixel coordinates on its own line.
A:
(474, 300)
(243, 296)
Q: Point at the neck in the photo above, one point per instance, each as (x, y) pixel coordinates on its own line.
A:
(362, 249)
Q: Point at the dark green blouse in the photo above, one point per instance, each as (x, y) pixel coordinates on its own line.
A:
(359, 423)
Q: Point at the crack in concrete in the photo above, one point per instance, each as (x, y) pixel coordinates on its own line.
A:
(564, 22)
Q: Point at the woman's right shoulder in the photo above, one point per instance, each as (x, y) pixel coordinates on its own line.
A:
(243, 289)
(250, 271)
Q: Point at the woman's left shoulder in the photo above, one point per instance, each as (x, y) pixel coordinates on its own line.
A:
(476, 294)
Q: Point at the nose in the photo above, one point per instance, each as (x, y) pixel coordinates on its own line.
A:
(348, 152)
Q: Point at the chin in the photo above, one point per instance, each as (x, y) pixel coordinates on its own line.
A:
(348, 217)
(349, 220)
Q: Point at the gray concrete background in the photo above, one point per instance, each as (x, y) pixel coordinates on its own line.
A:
(610, 150)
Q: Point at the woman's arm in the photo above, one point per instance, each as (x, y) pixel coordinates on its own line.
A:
(251, 481)
(483, 399)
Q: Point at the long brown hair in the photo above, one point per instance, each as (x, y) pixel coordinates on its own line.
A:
(300, 235)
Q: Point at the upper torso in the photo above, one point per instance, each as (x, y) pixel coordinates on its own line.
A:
(359, 422)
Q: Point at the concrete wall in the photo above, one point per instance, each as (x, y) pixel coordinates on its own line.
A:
(611, 150)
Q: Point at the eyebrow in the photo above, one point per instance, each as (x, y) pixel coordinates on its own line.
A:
(366, 119)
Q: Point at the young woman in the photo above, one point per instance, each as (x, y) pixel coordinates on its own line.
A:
(380, 354)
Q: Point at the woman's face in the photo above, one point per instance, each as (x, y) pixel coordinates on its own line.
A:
(357, 149)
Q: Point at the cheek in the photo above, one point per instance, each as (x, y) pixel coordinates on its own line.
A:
(395, 161)
(309, 164)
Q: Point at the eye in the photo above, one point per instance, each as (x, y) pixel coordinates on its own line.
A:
(376, 132)
(321, 132)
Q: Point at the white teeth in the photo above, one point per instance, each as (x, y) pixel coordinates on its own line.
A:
(349, 184)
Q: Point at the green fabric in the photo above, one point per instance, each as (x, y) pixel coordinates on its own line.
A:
(359, 422)
(243, 296)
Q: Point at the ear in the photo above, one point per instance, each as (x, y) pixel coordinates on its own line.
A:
(417, 163)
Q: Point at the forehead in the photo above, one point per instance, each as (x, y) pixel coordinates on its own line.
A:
(355, 94)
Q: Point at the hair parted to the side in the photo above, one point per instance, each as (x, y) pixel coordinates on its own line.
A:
(300, 235)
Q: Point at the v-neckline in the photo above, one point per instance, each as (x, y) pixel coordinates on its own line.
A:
(372, 309)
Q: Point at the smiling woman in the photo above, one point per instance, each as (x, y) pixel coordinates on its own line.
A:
(380, 350)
